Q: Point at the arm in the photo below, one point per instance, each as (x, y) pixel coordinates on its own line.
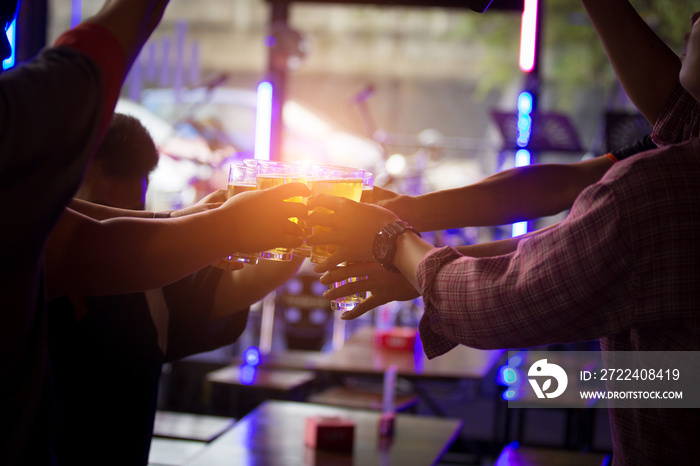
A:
(209, 309)
(509, 196)
(102, 212)
(247, 286)
(89, 257)
(646, 67)
(386, 286)
(536, 295)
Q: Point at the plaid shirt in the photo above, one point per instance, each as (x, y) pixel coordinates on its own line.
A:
(624, 266)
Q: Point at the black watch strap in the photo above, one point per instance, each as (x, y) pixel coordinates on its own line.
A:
(384, 247)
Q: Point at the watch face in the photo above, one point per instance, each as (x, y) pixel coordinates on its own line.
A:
(381, 247)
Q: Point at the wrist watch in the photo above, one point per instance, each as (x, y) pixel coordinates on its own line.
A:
(384, 246)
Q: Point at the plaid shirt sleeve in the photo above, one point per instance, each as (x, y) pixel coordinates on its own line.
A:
(538, 294)
(624, 261)
(679, 120)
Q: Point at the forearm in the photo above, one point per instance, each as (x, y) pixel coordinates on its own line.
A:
(124, 255)
(130, 21)
(646, 67)
(242, 288)
(101, 212)
(512, 195)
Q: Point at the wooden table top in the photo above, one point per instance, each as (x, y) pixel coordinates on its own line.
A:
(273, 434)
(260, 377)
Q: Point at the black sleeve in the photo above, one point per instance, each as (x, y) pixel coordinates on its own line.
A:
(642, 145)
(191, 329)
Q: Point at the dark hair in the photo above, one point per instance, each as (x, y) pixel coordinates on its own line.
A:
(8, 10)
(127, 148)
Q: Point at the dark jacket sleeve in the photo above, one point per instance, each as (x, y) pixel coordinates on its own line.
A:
(191, 329)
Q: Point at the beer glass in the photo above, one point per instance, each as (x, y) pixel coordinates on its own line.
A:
(270, 174)
(242, 178)
(337, 181)
(349, 302)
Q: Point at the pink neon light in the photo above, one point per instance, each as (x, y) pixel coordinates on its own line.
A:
(528, 32)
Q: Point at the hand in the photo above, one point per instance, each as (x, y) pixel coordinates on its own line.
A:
(216, 197)
(385, 286)
(352, 227)
(208, 202)
(259, 220)
(382, 196)
(228, 266)
(400, 204)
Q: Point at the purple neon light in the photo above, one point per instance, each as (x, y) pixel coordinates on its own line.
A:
(263, 121)
(528, 32)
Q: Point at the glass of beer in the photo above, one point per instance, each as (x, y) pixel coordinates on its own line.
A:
(270, 174)
(242, 178)
(349, 302)
(337, 181)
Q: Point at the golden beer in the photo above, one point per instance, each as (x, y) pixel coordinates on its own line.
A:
(269, 181)
(348, 188)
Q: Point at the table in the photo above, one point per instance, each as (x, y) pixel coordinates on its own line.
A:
(235, 390)
(274, 434)
(359, 356)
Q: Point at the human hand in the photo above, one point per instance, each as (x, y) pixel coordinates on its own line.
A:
(260, 220)
(351, 227)
(382, 196)
(400, 204)
(210, 201)
(228, 266)
(383, 285)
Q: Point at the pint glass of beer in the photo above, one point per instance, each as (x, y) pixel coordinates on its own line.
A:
(242, 178)
(273, 173)
(336, 181)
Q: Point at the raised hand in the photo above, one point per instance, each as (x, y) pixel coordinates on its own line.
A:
(260, 220)
(352, 227)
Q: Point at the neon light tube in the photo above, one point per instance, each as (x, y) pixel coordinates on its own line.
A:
(11, 32)
(522, 159)
(528, 33)
(263, 121)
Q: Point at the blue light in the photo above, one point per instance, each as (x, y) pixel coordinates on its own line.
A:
(519, 228)
(525, 103)
(247, 374)
(516, 360)
(252, 356)
(508, 376)
(510, 394)
(11, 33)
(522, 158)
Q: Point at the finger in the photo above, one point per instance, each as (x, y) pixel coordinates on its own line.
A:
(324, 200)
(228, 266)
(362, 308)
(321, 219)
(290, 228)
(347, 289)
(294, 209)
(330, 263)
(288, 190)
(343, 273)
(321, 239)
